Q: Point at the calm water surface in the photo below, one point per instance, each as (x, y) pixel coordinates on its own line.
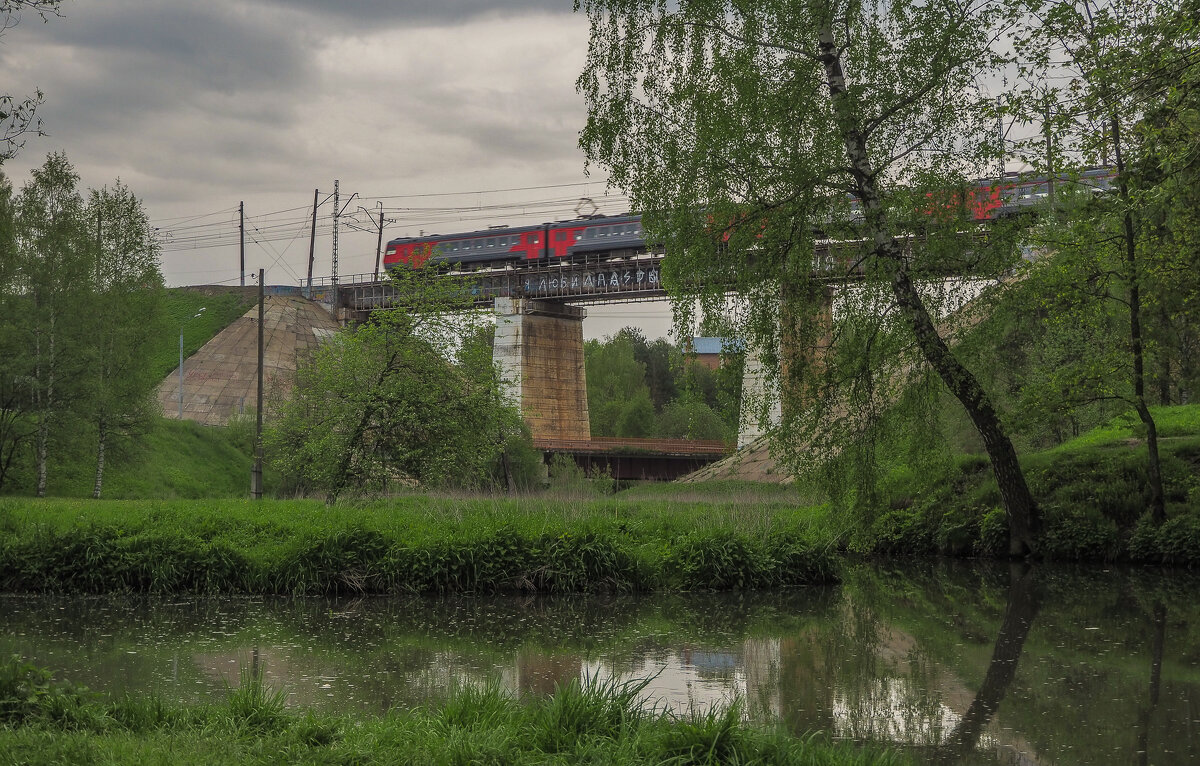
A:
(992, 665)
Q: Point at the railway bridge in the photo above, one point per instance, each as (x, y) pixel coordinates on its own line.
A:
(539, 349)
(537, 280)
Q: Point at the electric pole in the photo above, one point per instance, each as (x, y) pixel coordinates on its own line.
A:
(256, 473)
(379, 243)
(312, 241)
(242, 239)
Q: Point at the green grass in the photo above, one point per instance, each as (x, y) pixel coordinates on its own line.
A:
(180, 307)
(1181, 421)
(48, 723)
(172, 459)
(417, 544)
(1092, 492)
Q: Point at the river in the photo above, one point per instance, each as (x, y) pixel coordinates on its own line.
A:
(963, 663)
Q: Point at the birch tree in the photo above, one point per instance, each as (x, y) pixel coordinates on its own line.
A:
(127, 317)
(52, 276)
(751, 132)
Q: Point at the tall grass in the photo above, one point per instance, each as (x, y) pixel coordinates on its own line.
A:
(414, 545)
(580, 723)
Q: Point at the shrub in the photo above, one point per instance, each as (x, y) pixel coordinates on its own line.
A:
(958, 531)
(1179, 540)
(1079, 535)
(902, 532)
(28, 692)
(993, 533)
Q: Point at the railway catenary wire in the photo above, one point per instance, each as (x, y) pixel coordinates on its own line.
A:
(274, 227)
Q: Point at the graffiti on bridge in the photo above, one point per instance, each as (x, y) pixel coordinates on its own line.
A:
(593, 282)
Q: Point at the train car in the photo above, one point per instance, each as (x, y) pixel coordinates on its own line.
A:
(491, 246)
(598, 238)
(581, 239)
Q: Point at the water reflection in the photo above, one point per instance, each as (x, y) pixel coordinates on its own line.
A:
(966, 665)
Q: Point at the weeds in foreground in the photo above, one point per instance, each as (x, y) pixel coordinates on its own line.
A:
(596, 722)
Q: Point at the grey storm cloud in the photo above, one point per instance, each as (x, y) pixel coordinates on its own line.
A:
(217, 46)
(200, 105)
(375, 13)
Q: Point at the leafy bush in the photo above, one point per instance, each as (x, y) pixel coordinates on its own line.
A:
(899, 532)
(28, 692)
(1079, 535)
(993, 533)
(1179, 540)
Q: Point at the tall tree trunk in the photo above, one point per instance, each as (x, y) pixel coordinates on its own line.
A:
(1018, 501)
(102, 427)
(45, 407)
(1158, 510)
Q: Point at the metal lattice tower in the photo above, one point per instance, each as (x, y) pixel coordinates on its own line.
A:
(336, 212)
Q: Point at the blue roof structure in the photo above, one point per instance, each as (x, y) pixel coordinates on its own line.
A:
(714, 345)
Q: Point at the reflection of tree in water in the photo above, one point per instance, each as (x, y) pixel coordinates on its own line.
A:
(897, 653)
(861, 675)
(1023, 605)
(1159, 619)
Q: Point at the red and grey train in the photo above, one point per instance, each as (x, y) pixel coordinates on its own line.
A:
(603, 237)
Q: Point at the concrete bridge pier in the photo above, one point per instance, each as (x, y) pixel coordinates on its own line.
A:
(539, 350)
(806, 327)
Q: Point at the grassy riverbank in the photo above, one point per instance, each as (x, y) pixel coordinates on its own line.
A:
(1092, 492)
(416, 544)
(44, 722)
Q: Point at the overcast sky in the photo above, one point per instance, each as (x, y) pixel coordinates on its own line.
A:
(430, 108)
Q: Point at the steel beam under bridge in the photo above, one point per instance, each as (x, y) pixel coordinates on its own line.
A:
(636, 459)
(638, 276)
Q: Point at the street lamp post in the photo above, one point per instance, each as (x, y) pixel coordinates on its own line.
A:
(198, 313)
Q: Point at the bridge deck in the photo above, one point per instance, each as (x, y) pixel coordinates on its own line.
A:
(610, 445)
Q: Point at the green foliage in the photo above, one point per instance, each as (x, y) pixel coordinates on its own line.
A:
(29, 693)
(1092, 489)
(618, 396)
(688, 417)
(385, 406)
(642, 389)
(1069, 535)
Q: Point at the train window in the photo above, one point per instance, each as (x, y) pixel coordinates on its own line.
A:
(533, 239)
(578, 235)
